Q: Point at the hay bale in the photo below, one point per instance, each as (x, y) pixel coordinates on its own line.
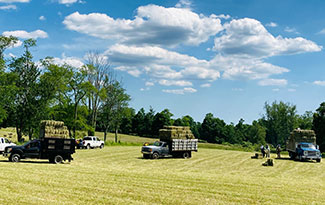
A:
(257, 156)
(269, 162)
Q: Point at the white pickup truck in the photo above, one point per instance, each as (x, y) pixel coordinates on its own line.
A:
(4, 142)
(92, 142)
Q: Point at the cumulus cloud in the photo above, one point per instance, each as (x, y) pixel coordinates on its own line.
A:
(8, 7)
(236, 68)
(181, 91)
(175, 82)
(319, 82)
(248, 37)
(183, 4)
(273, 82)
(69, 2)
(72, 61)
(161, 64)
(24, 34)
(149, 84)
(291, 30)
(14, 1)
(152, 25)
(321, 31)
(271, 24)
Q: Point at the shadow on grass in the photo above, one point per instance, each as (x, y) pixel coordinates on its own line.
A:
(26, 162)
(296, 160)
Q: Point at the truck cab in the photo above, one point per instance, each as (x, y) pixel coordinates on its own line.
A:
(308, 151)
(4, 142)
(156, 150)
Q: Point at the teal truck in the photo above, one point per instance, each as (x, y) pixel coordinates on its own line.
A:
(301, 145)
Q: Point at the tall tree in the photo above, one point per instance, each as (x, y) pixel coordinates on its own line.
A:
(318, 126)
(114, 108)
(100, 77)
(280, 119)
(162, 118)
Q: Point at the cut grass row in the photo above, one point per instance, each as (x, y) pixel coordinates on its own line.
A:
(119, 175)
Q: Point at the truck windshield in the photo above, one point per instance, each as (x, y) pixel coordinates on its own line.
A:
(157, 144)
(311, 146)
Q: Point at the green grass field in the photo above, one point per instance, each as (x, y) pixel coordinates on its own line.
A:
(119, 175)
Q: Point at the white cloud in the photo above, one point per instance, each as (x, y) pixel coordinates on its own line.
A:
(24, 34)
(181, 91)
(205, 85)
(160, 63)
(273, 82)
(175, 82)
(236, 68)
(291, 90)
(42, 18)
(149, 84)
(8, 7)
(271, 24)
(14, 1)
(276, 90)
(152, 25)
(248, 37)
(184, 4)
(221, 16)
(319, 82)
(72, 61)
(291, 30)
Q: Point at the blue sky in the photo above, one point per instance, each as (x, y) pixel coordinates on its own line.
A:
(192, 57)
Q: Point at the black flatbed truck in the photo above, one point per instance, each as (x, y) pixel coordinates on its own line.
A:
(56, 150)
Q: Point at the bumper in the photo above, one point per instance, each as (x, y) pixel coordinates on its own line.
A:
(311, 157)
(6, 154)
(144, 152)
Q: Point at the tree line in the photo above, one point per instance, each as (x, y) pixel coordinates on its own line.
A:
(91, 99)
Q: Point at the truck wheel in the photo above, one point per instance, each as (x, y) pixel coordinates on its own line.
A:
(88, 146)
(58, 159)
(155, 155)
(186, 155)
(101, 146)
(318, 160)
(14, 157)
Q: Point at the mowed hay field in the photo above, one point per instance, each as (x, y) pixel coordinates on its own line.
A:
(119, 175)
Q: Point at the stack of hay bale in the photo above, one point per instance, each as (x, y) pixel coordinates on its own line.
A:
(257, 156)
(53, 129)
(175, 132)
(299, 135)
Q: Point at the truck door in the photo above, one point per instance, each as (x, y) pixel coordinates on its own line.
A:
(165, 149)
(32, 150)
(2, 144)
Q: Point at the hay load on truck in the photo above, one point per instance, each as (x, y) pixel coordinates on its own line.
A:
(175, 141)
(301, 145)
(54, 144)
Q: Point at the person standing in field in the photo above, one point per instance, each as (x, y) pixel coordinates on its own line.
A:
(267, 151)
(278, 150)
(263, 151)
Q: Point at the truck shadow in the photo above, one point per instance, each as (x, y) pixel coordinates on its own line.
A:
(295, 160)
(26, 162)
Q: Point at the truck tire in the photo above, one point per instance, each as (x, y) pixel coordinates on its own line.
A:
(318, 160)
(186, 155)
(155, 155)
(101, 146)
(58, 159)
(14, 157)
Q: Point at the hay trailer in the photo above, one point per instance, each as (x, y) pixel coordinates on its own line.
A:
(175, 141)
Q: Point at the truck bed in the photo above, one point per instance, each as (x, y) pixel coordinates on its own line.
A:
(184, 145)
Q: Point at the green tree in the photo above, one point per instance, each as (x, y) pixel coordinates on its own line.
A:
(213, 129)
(318, 126)
(114, 108)
(305, 121)
(280, 119)
(160, 120)
(138, 123)
(126, 122)
(256, 133)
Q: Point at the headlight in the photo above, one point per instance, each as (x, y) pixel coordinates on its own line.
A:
(317, 153)
(305, 152)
